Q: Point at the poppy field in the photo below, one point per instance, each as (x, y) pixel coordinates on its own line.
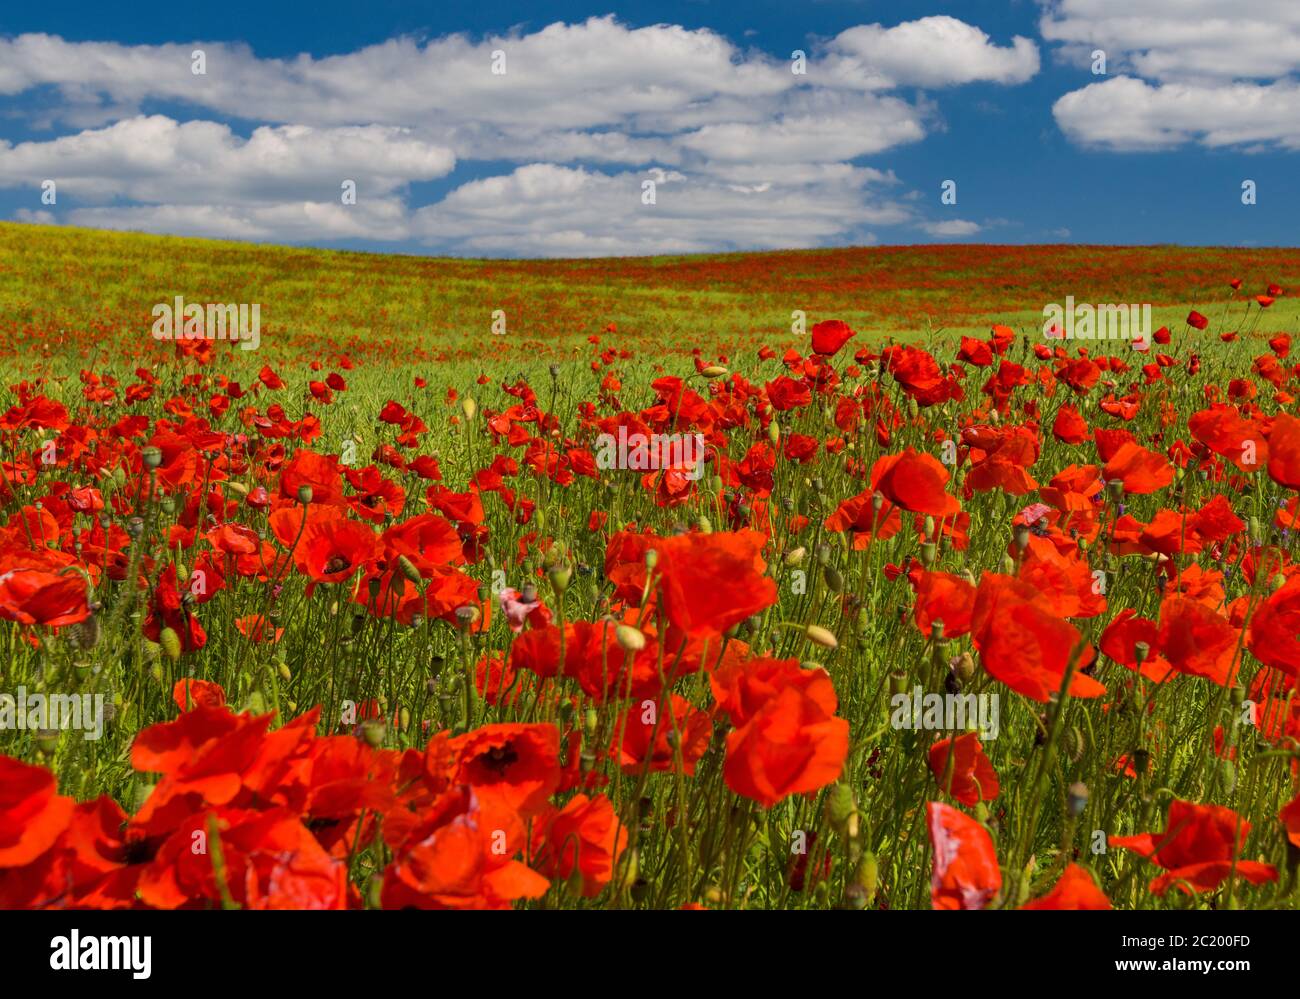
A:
(429, 601)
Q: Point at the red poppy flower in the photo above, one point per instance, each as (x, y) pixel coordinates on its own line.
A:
(962, 769)
(965, 874)
(1198, 641)
(829, 336)
(33, 596)
(1075, 890)
(791, 745)
(519, 764)
(580, 844)
(915, 482)
(32, 812)
(1199, 849)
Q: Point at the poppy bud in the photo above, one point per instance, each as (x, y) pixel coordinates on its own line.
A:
(651, 559)
(774, 433)
(963, 667)
(866, 877)
(714, 371)
(47, 741)
(795, 556)
(560, 577)
(839, 806)
(1277, 582)
(704, 524)
(469, 407)
(305, 494)
(1008, 565)
(834, 581)
(285, 674)
(629, 638)
(170, 643)
(818, 635)
(403, 719)
(409, 570)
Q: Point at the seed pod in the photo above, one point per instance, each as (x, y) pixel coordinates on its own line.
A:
(630, 639)
(818, 635)
(170, 642)
(409, 570)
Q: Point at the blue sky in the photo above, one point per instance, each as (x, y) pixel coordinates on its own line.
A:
(551, 157)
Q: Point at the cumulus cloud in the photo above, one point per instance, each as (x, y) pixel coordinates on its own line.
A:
(929, 52)
(751, 154)
(156, 159)
(951, 228)
(1188, 71)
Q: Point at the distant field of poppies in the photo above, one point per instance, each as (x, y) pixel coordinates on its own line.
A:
(819, 579)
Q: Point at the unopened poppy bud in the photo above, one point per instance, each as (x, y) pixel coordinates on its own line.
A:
(818, 635)
(1008, 565)
(1277, 582)
(1077, 798)
(963, 667)
(560, 577)
(839, 806)
(866, 877)
(170, 642)
(469, 407)
(152, 457)
(774, 433)
(408, 569)
(373, 587)
(1255, 530)
(704, 524)
(285, 673)
(651, 559)
(238, 488)
(305, 494)
(403, 719)
(929, 526)
(630, 639)
(714, 371)
(834, 581)
(795, 556)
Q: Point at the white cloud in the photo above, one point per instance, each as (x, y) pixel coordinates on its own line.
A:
(756, 155)
(951, 228)
(1180, 40)
(546, 209)
(1180, 71)
(929, 52)
(157, 160)
(1128, 114)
